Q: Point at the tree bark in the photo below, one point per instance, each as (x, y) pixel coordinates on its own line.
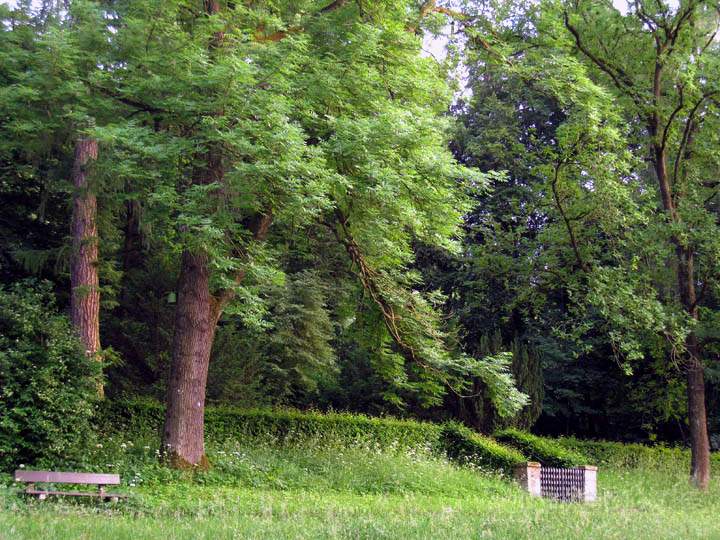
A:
(196, 316)
(685, 257)
(195, 322)
(84, 280)
(699, 442)
(697, 413)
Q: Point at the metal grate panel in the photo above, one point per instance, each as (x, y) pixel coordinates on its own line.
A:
(562, 484)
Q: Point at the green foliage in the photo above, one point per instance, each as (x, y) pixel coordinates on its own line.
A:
(527, 370)
(467, 446)
(571, 253)
(339, 125)
(544, 450)
(48, 386)
(480, 410)
(390, 264)
(283, 361)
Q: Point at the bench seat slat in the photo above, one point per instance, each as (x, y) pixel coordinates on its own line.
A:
(67, 477)
(75, 493)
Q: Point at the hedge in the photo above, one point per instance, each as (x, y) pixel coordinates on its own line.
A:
(631, 456)
(222, 423)
(546, 451)
(454, 440)
(465, 445)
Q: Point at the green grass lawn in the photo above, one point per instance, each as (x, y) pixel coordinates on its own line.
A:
(262, 490)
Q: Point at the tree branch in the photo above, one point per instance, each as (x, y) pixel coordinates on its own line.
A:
(130, 102)
(260, 227)
(671, 118)
(621, 80)
(686, 133)
(573, 240)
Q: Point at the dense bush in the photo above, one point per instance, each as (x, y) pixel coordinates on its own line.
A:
(546, 451)
(145, 417)
(463, 444)
(47, 384)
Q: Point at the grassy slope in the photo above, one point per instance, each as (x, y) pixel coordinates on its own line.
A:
(265, 490)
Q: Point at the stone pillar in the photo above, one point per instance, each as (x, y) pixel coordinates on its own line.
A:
(590, 493)
(528, 475)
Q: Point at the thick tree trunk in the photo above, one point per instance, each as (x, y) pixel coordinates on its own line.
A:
(84, 281)
(196, 316)
(195, 321)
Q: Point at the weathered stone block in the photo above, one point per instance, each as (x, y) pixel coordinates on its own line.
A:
(528, 475)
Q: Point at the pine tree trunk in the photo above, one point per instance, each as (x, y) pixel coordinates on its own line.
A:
(195, 321)
(84, 281)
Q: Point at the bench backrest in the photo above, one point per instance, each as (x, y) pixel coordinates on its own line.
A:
(67, 477)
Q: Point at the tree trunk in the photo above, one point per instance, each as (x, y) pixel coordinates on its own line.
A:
(699, 442)
(196, 315)
(195, 321)
(697, 414)
(84, 281)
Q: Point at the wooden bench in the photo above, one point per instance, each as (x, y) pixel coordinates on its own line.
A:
(51, 477)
